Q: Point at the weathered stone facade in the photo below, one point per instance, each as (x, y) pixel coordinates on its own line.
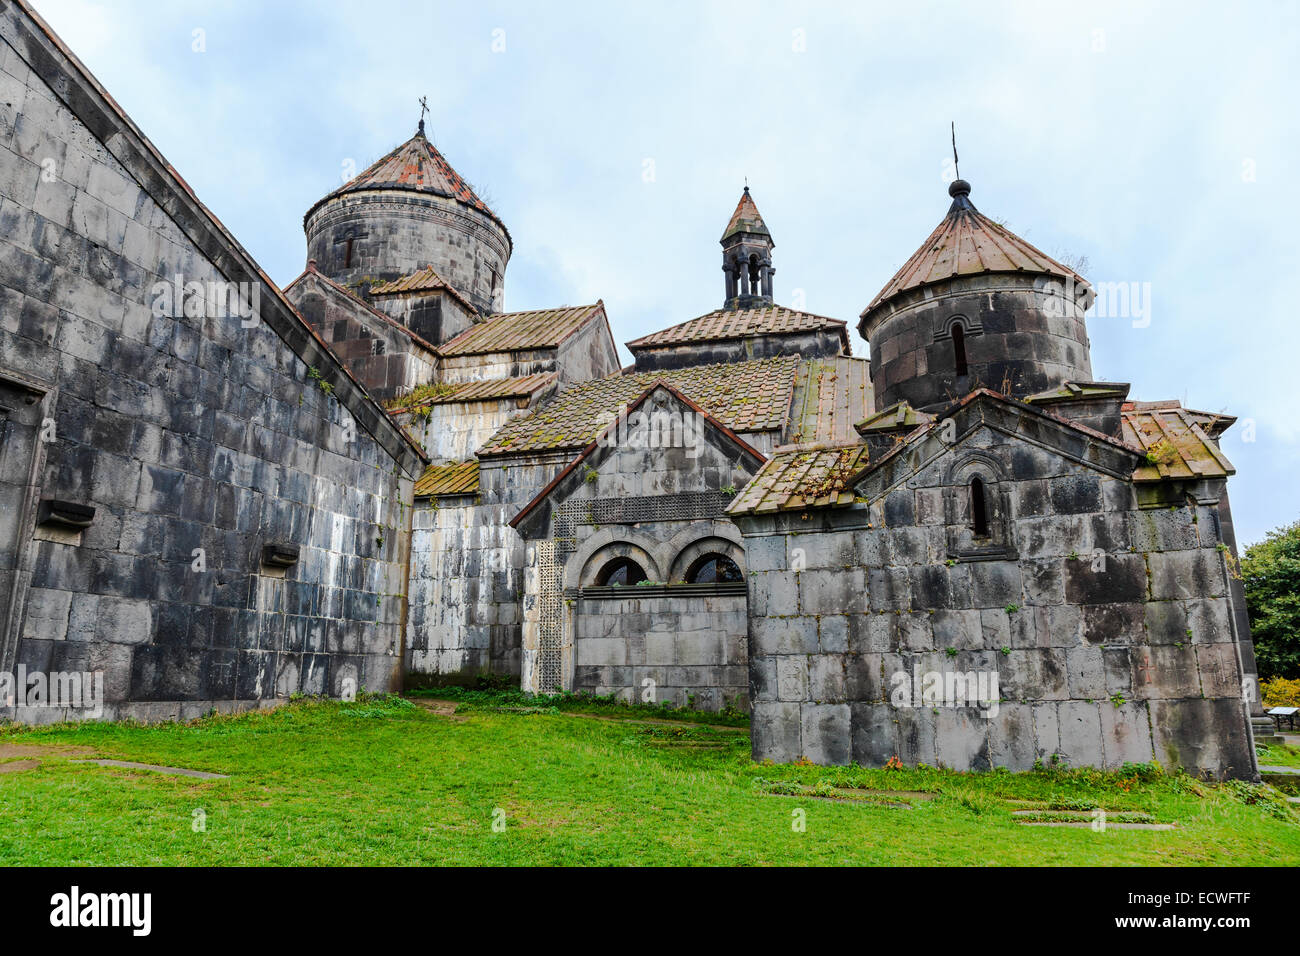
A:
(992, 562)
(649, 493)
(186, 421)
(407, 211)
(1108, 626)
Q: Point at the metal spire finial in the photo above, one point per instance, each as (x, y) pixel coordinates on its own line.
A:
(424, 108)
(955, 168)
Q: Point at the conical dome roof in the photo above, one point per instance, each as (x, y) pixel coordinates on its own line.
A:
(969, 243)
(416, 166)
(746, 219)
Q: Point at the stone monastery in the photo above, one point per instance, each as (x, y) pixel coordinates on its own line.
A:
(215, 493)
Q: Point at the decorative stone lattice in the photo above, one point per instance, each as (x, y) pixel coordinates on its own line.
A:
(550, 608)
(688, 506)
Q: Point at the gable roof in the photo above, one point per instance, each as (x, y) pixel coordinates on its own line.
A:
(900, 415)
(522, 331)
(745, 219)
(1079, 391)
(415, 166)
(743, 396)
(725, 324)
(595, 445)
(82, 94)
(966, 242)
(830, 395)
(311, 274)
(425, 280)
(794, 479)
(456, 478)
(1177, 443)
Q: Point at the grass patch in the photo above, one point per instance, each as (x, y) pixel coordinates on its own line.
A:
(506, 699)
(383, 781)
(1279, 756)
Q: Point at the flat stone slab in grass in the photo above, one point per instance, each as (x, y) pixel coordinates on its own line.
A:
(1265, 768)
(1109, 826)
(181, 771)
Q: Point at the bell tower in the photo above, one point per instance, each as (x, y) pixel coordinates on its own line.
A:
(747, 257)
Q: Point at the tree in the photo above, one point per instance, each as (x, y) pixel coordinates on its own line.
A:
(1271, 572)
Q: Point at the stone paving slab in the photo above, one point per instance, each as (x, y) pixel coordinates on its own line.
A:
(180, 771)
(1265, 768)
(1109, 826)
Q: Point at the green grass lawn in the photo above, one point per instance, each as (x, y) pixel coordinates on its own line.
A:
(389, 782)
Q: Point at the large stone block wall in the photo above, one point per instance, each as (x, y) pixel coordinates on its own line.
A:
(386, 360)
(399, 233)
(685, 650)
(455, 431)
(588, 353)
(686, 642)
(1022, 336)
(191, 437)
(820, 344)
(1110, 628)
(455, 369)
(465, 589)
(434, 317)
(467, 568)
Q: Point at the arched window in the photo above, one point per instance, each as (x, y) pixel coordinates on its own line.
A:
(959, 348)
(347, 254)
(713, 568)
(753, 272)
(620, 571)
(978, 507)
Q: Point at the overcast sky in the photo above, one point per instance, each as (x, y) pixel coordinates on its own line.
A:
(614, 139)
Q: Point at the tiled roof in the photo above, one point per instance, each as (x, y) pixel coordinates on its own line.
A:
(727, 324)
(898, 415)
(745, 218)
(969, 243)
(801, 478)
(659, 389)
(458, 478)
(426, 280)
(486, 390)
(830, 395)
(521, 331)
(1177, 442)
(416, 165)
(743, 396)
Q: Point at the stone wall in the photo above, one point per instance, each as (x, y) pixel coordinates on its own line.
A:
(1110, 629)
(377, 350)
(399, 233)
(433, 316)
(467, 567)
(455, 431)
(653, 496)
(820, 344)
(685, 649)
(198, 437)
(466, 584)
(1021, 335)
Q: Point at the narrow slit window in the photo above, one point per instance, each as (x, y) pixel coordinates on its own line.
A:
(347, 255)
(959, 348)
(978, 507)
